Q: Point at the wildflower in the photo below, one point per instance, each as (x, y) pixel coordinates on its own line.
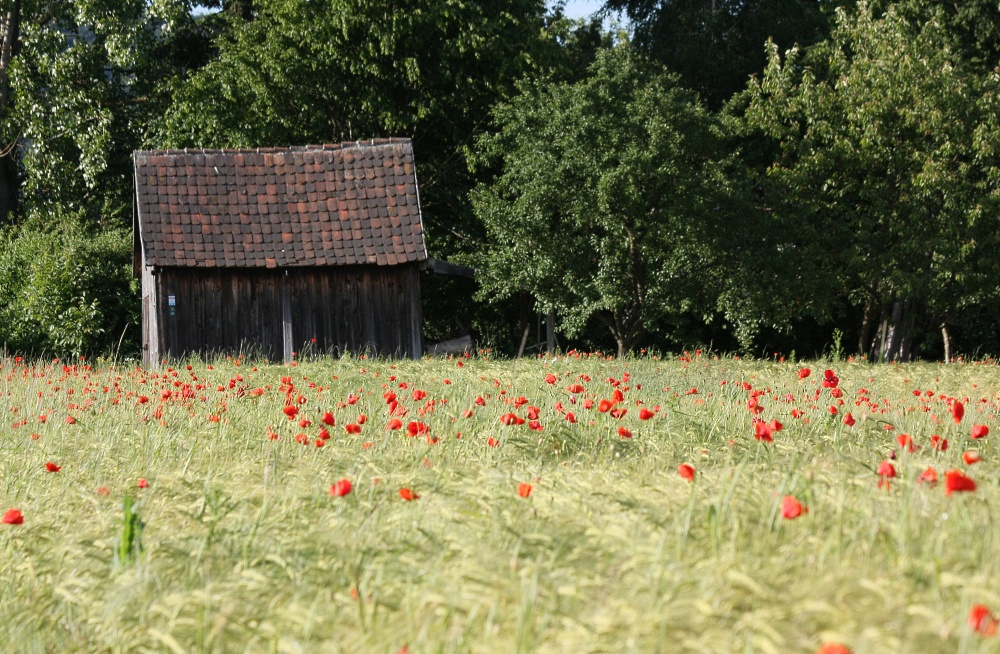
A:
(938, 443)
(980, 431)
(957, 411)
(970, 457)
(328, 419)
(143, 483)
(762, 431)
(886, 471)
(849, 420)
(804, 372)
(394, 424)
(341, 488)
(511, 419)
(833, 648)
(550, 378)
(51, 467)
(624, 433)
(686, 471)
(408, 494)
(604, 406)
(791, 508)
(955, 481)
(981, 619)
(646, 414)
(524, 490)
(928, 476)
(12, 517)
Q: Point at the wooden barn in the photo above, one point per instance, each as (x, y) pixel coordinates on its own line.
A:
(280, 250)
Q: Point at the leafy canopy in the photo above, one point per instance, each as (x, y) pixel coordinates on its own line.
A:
(608, 200)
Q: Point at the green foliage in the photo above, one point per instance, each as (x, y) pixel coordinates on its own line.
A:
(884, 179)
(609, 198)
(68, 291)
(715, 45)
(76, 86)
(128, 546)
(330, 70)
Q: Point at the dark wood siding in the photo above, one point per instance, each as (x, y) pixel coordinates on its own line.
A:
(361, 309)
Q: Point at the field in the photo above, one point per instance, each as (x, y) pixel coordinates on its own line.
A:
(564, 504)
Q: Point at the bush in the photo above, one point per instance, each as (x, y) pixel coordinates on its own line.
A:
(67, 291)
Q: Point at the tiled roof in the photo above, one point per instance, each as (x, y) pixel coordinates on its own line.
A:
(352, 203)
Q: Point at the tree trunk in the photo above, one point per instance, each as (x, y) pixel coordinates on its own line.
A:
(898, 331)
(947, 342)
(864, 342)
(10, 44)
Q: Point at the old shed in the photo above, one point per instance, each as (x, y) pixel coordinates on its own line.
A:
(277, 250)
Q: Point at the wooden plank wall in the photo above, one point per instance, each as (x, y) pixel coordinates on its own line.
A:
(361, 309)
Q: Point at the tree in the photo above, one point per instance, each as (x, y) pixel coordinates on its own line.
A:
(74, 79)
(331, 70)
(715, 45)
(888, 158)
(609, 200)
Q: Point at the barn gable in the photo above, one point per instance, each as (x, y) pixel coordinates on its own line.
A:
(248, 249)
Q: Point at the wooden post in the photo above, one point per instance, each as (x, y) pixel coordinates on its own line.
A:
(286, 319)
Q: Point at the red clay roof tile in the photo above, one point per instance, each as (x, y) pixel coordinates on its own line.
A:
(351, 203)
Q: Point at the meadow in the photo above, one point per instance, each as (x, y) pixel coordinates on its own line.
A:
(558, 504)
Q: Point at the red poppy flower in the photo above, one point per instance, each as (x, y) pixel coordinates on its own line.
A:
(791, 508)
(143, 483)
(618, 413)
(414, 428)
(604, 406)
(352, 428)
(686, 471)
(624, 433)
(939, 443)
(328, 419)
(804, 372)
(980, 620)
(906, 442)
(849, 420)
(762, 431)
(524, 490)
(646, 414)
(394, 424)
(575, 388)
(970, 457)
(492, 442)
(955, 481)
(341, 488)
(70, 420)
(51, 467)
(408, 494)
(550, 378)
(511, 419)
(928, 476)
(980, 431)
(833, 648)
(775, 426)
(291, 411)
(886, 470)
(957, 411)
(796, 413)
(12, 517)
(570, 418)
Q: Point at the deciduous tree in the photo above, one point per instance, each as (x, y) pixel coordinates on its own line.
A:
(609, 201)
